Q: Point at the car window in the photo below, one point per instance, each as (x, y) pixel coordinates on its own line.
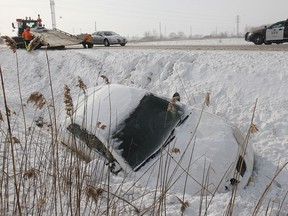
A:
(277, 25)
(144, 132)
(90, 140)
(107, 33)
(241, 166)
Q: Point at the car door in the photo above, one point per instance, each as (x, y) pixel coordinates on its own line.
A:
(98, 38)
(275, 32)
(286, 30)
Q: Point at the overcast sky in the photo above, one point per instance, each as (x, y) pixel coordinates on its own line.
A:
(134, 17)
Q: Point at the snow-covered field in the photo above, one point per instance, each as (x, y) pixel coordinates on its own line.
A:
(234, 79)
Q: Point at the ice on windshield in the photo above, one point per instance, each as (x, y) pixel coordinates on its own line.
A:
(144, 132)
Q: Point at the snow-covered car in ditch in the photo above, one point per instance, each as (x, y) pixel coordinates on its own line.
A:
(141, 134)
(108, 38)
(275, 33)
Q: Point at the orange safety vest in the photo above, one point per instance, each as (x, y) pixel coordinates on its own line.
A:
(26, 35)
(88, 38)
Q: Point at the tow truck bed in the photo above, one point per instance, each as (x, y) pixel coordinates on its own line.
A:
(56, 37)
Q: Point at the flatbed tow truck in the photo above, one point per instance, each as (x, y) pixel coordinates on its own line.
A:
(51, 38)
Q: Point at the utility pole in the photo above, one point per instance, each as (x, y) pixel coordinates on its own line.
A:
(52, 6)
(160, 30)
(237, 21)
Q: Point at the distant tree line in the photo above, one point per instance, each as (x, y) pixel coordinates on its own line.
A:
(155, 36)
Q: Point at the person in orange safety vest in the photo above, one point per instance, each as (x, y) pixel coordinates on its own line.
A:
(87, 41)
(27, 36)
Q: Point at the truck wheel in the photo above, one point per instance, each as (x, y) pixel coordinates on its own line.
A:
(106, 43)
(258, 39)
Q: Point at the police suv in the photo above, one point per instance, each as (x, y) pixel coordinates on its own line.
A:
(275, 33)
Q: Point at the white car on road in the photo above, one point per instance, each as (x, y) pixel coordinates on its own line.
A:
(108, 38)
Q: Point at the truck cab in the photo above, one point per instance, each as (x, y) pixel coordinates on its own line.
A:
(22, 24)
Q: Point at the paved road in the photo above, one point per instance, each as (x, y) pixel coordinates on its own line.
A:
(280, 47)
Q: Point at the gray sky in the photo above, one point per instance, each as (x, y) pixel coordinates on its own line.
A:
(134, 17)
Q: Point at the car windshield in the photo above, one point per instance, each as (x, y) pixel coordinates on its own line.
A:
(31, 24)
(145, 131)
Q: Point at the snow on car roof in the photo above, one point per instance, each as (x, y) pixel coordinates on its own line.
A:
(102, 106)
(132, 122)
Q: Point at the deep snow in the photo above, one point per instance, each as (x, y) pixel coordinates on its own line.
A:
(234, 79)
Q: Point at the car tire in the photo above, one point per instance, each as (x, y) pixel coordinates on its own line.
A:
(267, 43)
(258, 39)
(106, 43)
(122, 44)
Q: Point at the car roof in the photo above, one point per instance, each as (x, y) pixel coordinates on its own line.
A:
(113, 104)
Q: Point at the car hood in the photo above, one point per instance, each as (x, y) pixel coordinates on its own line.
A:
(204, 152)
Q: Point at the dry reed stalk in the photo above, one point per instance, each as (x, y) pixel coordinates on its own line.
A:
(260, 201)
(252, 129)
(94, 193)
(100, 125)
(13, 46)
(188, 169)
(34, 43)
(207, 99)
(38, 99)
(81, 85)
(106, 80)
(184, 205)
(55, 147)
(15, 140)
(281, 204)
(182, 84)
(68, 101)
(175, 150)
(32, 173)
(1, 117)
(171, 105)
(10, 43)
(12, 147)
